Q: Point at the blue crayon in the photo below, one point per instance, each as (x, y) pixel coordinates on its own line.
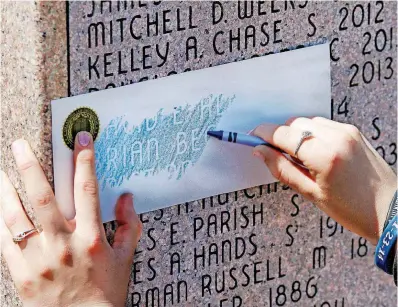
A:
(239, 138)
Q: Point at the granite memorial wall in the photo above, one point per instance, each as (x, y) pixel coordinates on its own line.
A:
(264, 246)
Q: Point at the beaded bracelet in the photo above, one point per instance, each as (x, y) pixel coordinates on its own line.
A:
(386, 244)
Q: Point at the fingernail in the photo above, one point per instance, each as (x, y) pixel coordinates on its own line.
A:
(261, 126)
(251, 132)
(84, 138)
(259, 155)
(18, 147)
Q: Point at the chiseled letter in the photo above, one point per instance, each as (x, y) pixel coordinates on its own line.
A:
(181, 143)
(137, 151)
(111, 154)
(147, 123)
(175, 113)
(204, 105)
(195, 138)
(156, 145)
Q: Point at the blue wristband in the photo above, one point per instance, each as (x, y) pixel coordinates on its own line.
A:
(386, 243)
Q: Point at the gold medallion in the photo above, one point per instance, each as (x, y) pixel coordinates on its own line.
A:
(82, 119)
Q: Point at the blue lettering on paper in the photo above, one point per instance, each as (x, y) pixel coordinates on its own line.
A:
(171, 142)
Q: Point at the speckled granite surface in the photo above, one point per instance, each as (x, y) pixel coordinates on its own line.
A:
(33, 71)
(261, 247)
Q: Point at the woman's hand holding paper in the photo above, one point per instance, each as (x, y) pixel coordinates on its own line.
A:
(67, 263)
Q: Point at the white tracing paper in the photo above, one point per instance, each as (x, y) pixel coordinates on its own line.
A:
(264, 89)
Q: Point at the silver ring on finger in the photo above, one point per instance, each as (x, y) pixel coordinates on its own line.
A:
(305, 135)
(23, 235)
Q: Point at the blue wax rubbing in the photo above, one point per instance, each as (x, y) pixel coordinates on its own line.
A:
(169, 142)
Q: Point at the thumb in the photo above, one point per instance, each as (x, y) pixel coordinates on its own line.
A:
(286, 171)
(129, 228)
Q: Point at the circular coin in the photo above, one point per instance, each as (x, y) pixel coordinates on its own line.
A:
(82, 119)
